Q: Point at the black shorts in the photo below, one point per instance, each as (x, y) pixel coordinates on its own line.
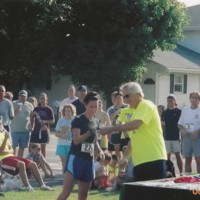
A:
(123, 143)
(111, 146)
(40, 138)
(115, 137)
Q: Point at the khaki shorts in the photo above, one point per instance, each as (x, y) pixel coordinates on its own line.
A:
(173, 146)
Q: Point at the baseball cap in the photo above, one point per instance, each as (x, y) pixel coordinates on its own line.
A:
(118, 94)
(35, 146)
(23, 93)
(82, 87)
(171, 96)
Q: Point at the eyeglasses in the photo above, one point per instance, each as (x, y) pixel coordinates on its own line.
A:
(126, 96)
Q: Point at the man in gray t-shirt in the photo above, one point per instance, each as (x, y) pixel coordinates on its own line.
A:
(21, 126)
(6, 109)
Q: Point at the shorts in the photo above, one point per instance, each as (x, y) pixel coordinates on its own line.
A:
(124, 142)
(20, 139)
(111, 147)
(9, 164)
(62, 150)
(173, 146)
(150, 170)
(115, 138)
(191, 147)
(38, 138)
(80, 168)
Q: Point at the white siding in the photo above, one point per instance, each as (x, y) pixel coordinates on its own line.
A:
(193, 84)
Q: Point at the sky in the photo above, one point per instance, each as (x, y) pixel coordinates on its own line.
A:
(189, 3)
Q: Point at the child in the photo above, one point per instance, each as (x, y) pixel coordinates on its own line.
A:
(101, 172)
(113, 169)
(37, 157)
(125, 175)
(63, 132)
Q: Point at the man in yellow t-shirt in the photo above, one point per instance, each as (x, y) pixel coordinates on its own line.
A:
(147, 144)
(15, 164)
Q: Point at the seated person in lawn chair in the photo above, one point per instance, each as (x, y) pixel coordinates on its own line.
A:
(14, 164)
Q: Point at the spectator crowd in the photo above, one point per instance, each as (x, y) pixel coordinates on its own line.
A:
(101, 149)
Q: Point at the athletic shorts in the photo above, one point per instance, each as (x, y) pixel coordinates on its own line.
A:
(80, 168)
(115, 138)
(9, 164)
(20, 139)
(111, 147)
(124, 142)
(173, 146)
(191, 146)
(62, 150)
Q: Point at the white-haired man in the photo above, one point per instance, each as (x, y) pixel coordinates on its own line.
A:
(146, 146)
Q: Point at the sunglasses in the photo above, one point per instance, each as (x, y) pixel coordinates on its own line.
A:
(126, 96)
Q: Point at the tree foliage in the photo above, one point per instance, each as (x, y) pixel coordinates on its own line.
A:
(97, 42)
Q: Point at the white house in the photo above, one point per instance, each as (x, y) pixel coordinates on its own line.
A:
(176, 71)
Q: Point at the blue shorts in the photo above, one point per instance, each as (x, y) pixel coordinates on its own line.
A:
(81, 169)
(190, 146)
(20, 139)
(62, 150)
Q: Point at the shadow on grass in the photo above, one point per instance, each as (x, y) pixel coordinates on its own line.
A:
(104, 193)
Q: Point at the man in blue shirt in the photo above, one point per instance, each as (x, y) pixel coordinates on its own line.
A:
(170, 118)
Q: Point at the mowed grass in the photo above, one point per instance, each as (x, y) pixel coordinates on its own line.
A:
(52, 195)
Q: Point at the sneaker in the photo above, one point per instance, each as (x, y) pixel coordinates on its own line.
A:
(46, 188)
(28, 188)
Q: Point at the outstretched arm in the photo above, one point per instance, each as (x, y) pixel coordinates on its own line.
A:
(133, 125)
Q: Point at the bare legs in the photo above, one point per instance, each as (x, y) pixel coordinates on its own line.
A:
(188, 165)
(63, 161)
(68, 186)
(179, 160)
(34, 170)
(20, 152)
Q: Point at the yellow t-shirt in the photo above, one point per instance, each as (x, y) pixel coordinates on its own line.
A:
(7, 147)
(147, 141)
(125, 116)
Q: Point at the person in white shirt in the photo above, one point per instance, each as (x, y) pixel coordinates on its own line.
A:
(189, 125)
(64, 133)
(71, 98)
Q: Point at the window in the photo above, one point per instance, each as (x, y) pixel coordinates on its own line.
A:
(178, 83)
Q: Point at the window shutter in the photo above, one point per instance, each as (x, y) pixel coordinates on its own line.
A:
(185, 84)
(171, 89)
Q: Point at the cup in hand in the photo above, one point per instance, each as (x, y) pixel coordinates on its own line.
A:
(19, 105)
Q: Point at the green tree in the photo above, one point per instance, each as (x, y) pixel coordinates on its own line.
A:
(110, 40)
(101, 43)
(27, 40)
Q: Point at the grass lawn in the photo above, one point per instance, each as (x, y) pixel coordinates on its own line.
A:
(44, 195)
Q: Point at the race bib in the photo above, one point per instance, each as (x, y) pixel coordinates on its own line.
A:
(87, 148)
